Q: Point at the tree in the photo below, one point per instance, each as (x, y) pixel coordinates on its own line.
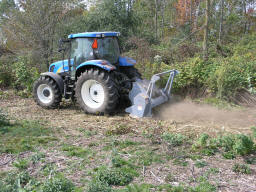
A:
(32, 28)
(206, 29)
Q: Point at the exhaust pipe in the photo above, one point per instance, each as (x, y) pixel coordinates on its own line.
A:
(144, 100)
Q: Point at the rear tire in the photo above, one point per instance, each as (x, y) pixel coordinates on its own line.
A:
(46, 93)
(131, 72)
(96, 92)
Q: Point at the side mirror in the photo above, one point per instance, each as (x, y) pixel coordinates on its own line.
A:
(61, 44)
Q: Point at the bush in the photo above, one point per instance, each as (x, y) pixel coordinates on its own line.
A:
(3, 119)
(25, 75)
(58, 184)
(98, 186)
(173, 139)
(243, 145)
(241, 168)
(114, 176)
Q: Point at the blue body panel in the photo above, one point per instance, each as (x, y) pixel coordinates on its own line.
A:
(126, 62)
(99, 63)
(58, 66)
(94, 34)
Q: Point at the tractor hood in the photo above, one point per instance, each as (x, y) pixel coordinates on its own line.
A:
(57, 67)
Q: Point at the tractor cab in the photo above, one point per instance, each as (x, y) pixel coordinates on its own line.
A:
(94, 46)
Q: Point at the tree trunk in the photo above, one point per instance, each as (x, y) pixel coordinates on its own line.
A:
(162, 12)
(206, 29)
(191, 17)
(245, 24)
(156, 19)
(221, 21)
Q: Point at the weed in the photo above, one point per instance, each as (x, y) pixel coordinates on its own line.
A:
(229, 155)
(173, 139)
(23, 136)
(243, 145)
(254, 132)
(21, 164)
(200, 164)
(241, 168)
(93, 144)
(180, 162)
(121, 129)
(98, 186)
(146, 157)
(251, 160)
(204, 186)
(37, 157)
(115, 176)
(214, 170)
(88, 133)
(138, 188)
(169, 178)
(4, 121)
(72, 150)
(58, 184)
(205, 145)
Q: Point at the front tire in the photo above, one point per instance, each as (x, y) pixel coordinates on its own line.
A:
(46, 93)
(96, 92)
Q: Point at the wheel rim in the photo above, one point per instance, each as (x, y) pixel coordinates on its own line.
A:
(93, 94)
(45, 93)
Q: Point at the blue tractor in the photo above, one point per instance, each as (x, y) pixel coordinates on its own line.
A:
(97, 76)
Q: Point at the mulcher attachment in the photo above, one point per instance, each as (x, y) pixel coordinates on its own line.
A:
(145, 97)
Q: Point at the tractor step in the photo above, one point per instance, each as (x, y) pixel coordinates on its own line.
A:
(143, 98)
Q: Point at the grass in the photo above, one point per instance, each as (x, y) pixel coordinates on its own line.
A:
(241, 168)
(114, 163)
(76, 151)
(24, 136)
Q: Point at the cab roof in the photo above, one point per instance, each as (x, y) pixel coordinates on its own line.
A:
(94, 34)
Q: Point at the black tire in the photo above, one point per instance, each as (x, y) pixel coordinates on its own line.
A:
(131, 72)
(56, 94)
(107, 82)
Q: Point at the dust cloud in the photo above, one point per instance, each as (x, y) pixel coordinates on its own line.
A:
(186, 111)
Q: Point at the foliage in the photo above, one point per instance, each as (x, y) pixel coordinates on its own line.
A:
(58, 184)
(23, 136)
(3, 119)
(173, 139)
(72, 150)
(114, 176)
(241, 168)
(98, 186)
(25, 76)
(230, 145)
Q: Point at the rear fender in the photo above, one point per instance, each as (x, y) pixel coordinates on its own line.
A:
(57, 78)
(102, 64)
(126, 62)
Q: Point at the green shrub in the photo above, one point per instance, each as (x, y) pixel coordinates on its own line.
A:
(114, 176)
(241, 168)
(173, 139)
(98, 186)
(21, 164)
(200, 164)
(254, 132)
(3, 119)
(58, 184)
(205, 145)
(243, 145)
(24, 74)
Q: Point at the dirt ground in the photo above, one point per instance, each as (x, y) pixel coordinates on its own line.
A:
(185, 118)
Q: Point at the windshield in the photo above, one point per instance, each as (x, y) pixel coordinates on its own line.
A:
(108, 49)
